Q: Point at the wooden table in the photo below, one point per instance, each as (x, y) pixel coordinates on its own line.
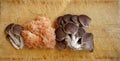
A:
(105, 26)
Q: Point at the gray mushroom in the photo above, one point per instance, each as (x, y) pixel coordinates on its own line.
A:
(13, 32)
(61, 44)
(63, 20)
(72, 30)
(60, 21)
(77, 43)
(8, 28)
(60, 34)
(74, 19)
(85, 21)
(87, 42)
(67, 18)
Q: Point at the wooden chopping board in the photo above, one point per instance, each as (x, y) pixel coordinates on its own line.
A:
(105, 26)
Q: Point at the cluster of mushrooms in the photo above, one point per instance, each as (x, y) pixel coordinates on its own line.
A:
(71, 32)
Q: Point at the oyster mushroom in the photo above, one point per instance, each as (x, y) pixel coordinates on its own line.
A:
(74, 19)
(67, 18)
(60, 38)
(60, 21)
(63, 20)
(77, 43)
(72, 30)
(61, 44)
(13, 32)
(60, 34)
(87, 42)
(84, 20)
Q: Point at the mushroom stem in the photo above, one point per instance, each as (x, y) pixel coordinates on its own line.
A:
(76, 45)
(68, 40)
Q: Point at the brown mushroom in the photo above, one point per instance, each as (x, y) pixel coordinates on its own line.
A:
(8, 28)
(88, 43)
(67, 18)
(17, 29)
(60, 34)
(85, 21)
(61, 44)
(60, 21)
(74, 19)
(80, 32)
(73, 32)
(70, 28)
(13, 32)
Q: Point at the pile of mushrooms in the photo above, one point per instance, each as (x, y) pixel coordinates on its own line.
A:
(13, 32)
(71, 32)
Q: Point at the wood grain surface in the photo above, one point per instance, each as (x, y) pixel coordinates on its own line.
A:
(105, 26)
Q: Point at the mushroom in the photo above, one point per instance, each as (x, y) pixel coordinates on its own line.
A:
(61, 44)
(13, 32)
(60, 34)
(84, 20)
(60, 21)
(77, 43)
(87, 42)
(63, 20)
(72, 30)
(67, 18)
(74, 19)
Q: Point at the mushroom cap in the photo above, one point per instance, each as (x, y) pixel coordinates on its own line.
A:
(84, 20)
(60, 34)
(80, 32)
(61, 44)
(71, 28)
(88, 43)
(60, 21)
(17, 29)
(74, 19)
(8, 28)
(67, 18)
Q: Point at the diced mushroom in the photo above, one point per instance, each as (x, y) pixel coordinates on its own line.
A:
(60, 21)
